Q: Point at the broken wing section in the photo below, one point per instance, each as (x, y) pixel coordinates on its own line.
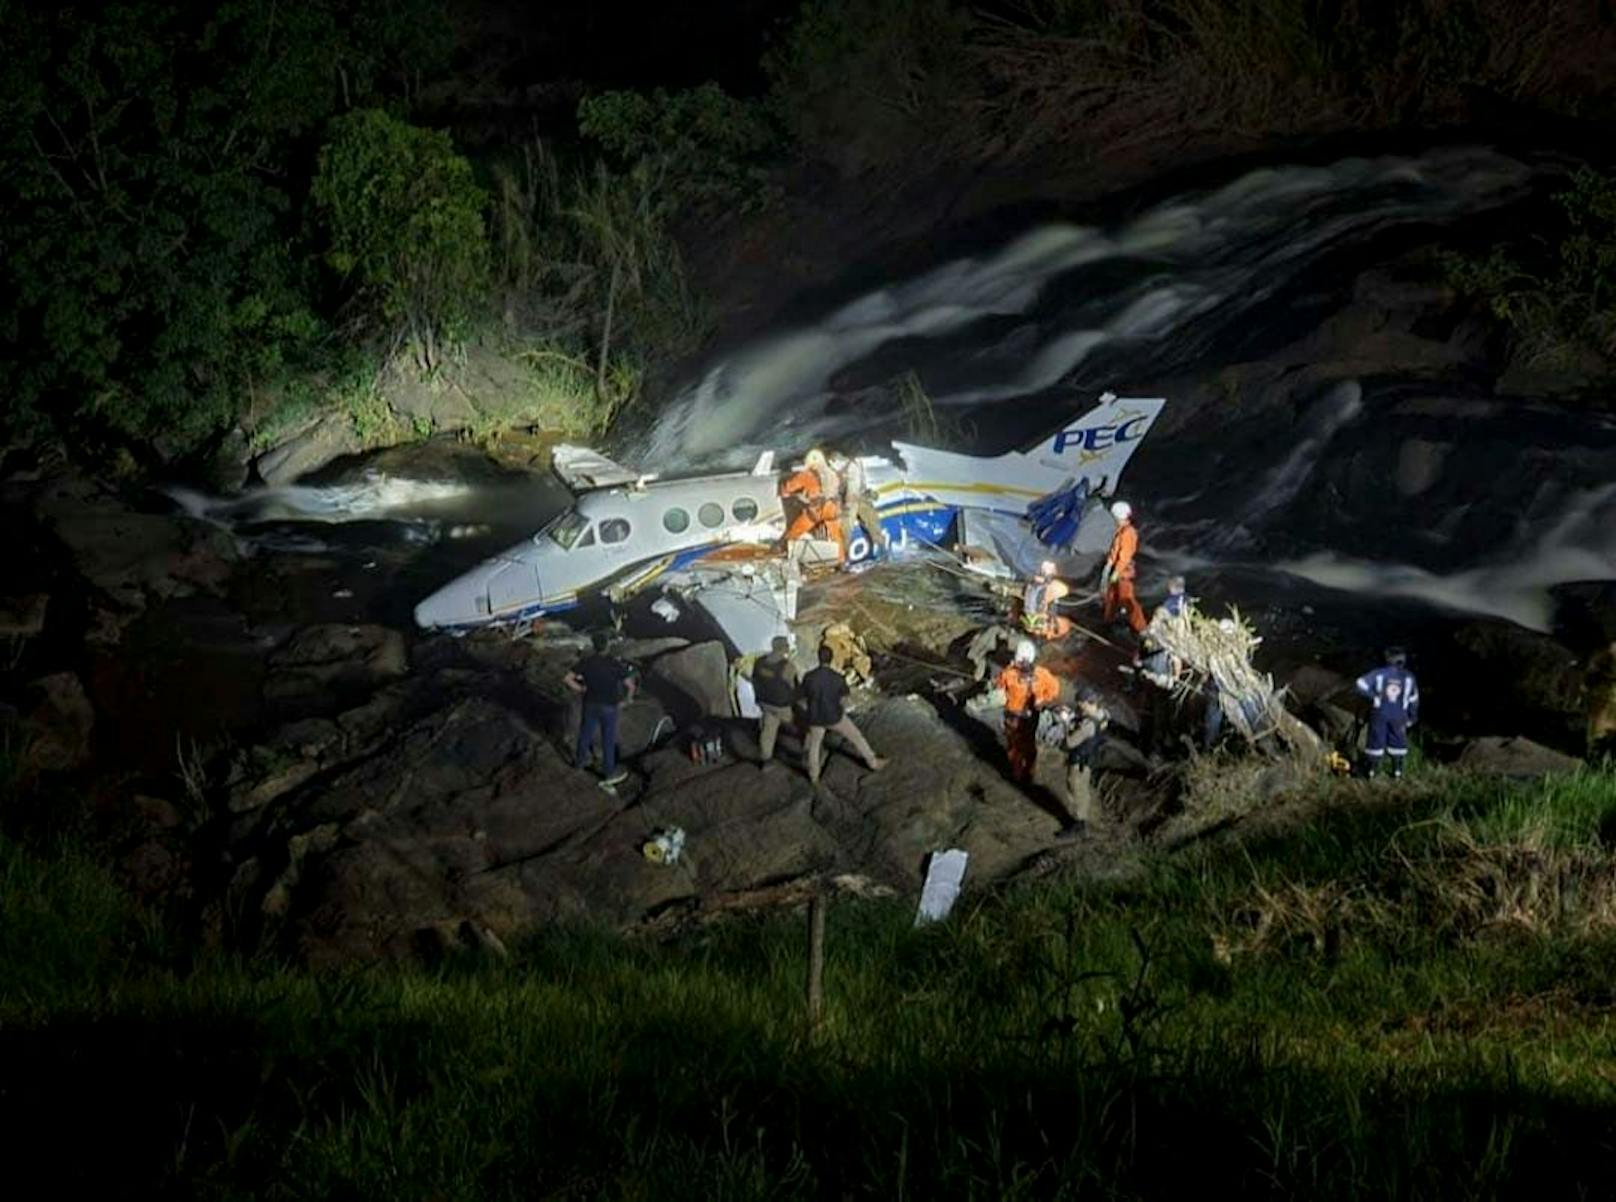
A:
(582, 469)
(750, 605)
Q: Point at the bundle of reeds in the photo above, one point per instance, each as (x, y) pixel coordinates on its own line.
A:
(1216, 658)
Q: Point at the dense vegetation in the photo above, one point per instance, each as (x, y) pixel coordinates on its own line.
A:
(1557, 291)
(1402, 992)
(242, 213)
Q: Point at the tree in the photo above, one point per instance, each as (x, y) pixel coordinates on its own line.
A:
(151, 267)
(403, 219)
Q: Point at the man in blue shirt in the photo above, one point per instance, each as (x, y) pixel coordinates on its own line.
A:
(1395, 698)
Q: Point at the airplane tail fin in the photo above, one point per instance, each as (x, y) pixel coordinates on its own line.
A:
(1097, 446)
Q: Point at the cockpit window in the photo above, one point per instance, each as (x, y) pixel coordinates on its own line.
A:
(613, 530)
(566, 530)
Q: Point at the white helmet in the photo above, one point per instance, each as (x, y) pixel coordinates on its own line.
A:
(1047, 568)
(1026, 652)
(815, 458)
(1121, 510)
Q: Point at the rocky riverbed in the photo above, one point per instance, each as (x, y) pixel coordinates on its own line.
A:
(295, 769)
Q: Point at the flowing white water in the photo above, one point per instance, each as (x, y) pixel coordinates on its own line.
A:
(1210, 255)
(375, 495)
(1580, 544)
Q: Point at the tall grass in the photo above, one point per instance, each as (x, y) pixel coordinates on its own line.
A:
(1056, 1039)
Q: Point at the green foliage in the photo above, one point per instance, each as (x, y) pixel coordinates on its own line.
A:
(1558, 297)
(594, 281)
(1316, 1012)
(855, 80)
(151, 273)
(402, 218)
(707, 147)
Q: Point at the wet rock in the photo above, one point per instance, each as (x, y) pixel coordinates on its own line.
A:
(132, 556)
(153, 870)
(1509, 678)
(1599, 700)
(23, 617)
(310, 449)
(470, 819)
(310, 738)
(265, 776)
(156, 811)
(699, 678)
(57, 726)
(1515, 757)
(324, 667)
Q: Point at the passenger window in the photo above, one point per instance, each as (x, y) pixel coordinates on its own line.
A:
(613, 530)
(676, 521)
(711, 515)
(744, 509)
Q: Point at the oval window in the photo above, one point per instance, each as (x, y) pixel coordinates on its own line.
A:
(613, 530)
(711, 515)
(676, 521)
(744, 509)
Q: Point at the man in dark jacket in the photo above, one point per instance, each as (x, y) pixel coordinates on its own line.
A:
(1083, 740)
(823, 692)
(774, 682)
(604, 682)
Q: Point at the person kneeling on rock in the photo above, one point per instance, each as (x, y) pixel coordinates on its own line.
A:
(824, 694)
(604, 682)
(1083, 740)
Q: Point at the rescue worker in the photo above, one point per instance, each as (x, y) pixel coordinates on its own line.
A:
(603, 682)
(1028, 688)
(1038, 616)
(1176, 604)
(823, 692)
(858, 506)
(1395, 697)
(1160, 669)
(774, 683)
(818, 510)
(1116, 577)
(1082, 742)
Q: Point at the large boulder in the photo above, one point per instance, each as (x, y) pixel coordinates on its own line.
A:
(324, 668)
(331, 437)
(1519, 759)
(57, 726)
(698, 679)
(131, 558)
(467, 828)
(23, 617)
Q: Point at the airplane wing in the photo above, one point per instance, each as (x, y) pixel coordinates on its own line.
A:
(749, 604)
(582, 469)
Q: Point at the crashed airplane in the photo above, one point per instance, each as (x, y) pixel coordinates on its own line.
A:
(715, 541)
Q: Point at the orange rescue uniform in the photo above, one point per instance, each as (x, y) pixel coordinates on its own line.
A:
(1119, 593)
(1025, 693)
(817, 509)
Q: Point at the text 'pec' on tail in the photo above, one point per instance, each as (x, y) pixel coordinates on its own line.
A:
(1098, 445)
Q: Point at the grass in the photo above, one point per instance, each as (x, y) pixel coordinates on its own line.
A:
(1317, 1011)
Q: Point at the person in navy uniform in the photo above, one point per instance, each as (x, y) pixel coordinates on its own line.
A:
(1395, 698)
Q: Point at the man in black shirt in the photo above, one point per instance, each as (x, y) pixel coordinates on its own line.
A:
(823, 691)
(774, 683)
(604, 682)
